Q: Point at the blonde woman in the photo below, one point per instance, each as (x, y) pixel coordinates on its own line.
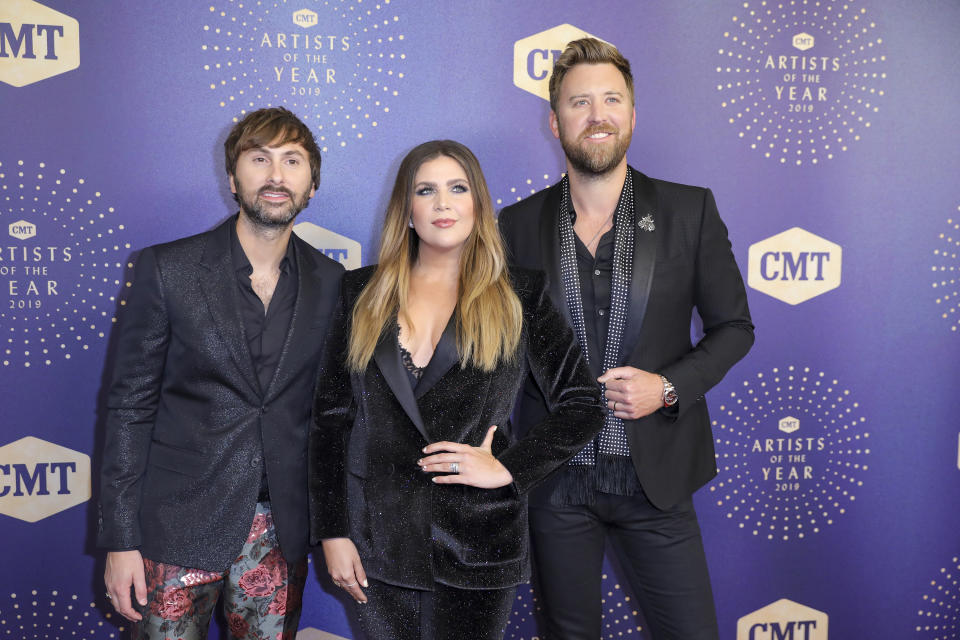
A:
(418, 491)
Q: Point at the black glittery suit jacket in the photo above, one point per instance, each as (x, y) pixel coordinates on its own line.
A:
(188, 429)
(370, 428)
(684, 263)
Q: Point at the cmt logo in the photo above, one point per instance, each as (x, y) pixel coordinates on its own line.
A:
(788, 424)
(22, 230)
(333, 245)
(783, 620)
(533, 57)
(802, 41)
(794, 266)
(39, 478)
(36, 42)
(305, 18)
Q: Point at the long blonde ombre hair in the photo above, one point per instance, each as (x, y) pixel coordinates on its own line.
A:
(488, 313)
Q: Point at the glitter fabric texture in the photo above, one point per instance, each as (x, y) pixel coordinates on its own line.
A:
(189, 432)
(370, 428)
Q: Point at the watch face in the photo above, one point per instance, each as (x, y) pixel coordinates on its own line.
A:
(669, 393)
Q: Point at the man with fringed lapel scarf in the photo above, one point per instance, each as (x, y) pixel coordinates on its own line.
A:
(204, 477)
(628, 258)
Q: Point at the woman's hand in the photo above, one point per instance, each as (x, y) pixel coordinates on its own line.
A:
(343, 565)
(474, 466)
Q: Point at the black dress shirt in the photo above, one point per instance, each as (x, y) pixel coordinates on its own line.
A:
(612, 474)
(596, 274)
(266, 329)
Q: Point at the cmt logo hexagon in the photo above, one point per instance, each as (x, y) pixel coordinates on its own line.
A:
(533, 57)
(783, 620)
(788, 424)
(794, 266)
(332, 244)
(39, 478)
(22, 230)
(802, 41)
(305, 18)
(36, 42)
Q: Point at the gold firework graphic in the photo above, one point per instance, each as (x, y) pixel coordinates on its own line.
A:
(791, 449)
(938, 615)
(336, 63)
(800, 80)
(62, 265)
(945, 271)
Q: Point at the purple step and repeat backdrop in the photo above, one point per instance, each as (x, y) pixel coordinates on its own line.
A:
(827, 130)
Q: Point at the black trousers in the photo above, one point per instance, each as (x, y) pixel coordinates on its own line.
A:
(661, 551)
(446, 613)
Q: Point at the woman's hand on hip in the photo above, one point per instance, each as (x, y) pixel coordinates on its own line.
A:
(474, 466)
(343, 565)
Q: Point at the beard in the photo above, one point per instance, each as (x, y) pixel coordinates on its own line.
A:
(272, 216)
(595, 160)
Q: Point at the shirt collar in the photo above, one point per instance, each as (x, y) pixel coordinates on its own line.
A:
(241, 263)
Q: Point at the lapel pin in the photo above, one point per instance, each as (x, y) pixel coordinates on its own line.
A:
(646, 223)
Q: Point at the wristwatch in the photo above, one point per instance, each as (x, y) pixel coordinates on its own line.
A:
(669, 393)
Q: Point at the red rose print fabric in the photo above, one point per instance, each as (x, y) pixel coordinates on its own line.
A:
(262, 593)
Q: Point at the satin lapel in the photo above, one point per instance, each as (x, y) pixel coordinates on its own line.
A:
(219, 286)
(387, 357)
(550, 249)
(644, 259)
(312, 290)
(445, 356)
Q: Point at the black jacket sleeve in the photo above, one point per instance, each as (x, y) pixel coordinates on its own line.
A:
(334, 411)
(144, 336)
(572, 395)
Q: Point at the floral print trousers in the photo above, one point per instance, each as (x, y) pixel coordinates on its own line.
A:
(262, 593)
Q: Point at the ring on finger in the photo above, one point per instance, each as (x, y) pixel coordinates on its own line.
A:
(454, 467)
(352, 584)
(614, 406)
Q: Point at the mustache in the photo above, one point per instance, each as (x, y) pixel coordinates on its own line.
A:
(599, 128)
(275, 190)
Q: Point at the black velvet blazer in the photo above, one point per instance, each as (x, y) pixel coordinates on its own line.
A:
(370, 428)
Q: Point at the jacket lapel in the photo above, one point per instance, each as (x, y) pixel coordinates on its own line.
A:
(387, 357)
(550, 249)
(644, 259)
(445, 356)
(218, 281)
(312, 290)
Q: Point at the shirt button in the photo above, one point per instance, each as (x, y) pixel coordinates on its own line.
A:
(596, 272)
(600, 312)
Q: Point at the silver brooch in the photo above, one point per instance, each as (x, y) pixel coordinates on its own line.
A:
(646, 223)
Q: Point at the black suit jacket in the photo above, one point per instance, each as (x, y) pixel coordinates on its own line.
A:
(189, 430)
(370, 429)
(685, 263)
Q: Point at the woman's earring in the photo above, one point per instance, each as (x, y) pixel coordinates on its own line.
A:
(410, 222)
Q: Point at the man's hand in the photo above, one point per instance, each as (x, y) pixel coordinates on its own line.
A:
(125, 570)
(632, 393)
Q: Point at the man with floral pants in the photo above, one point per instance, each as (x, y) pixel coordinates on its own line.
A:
(203, 492)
